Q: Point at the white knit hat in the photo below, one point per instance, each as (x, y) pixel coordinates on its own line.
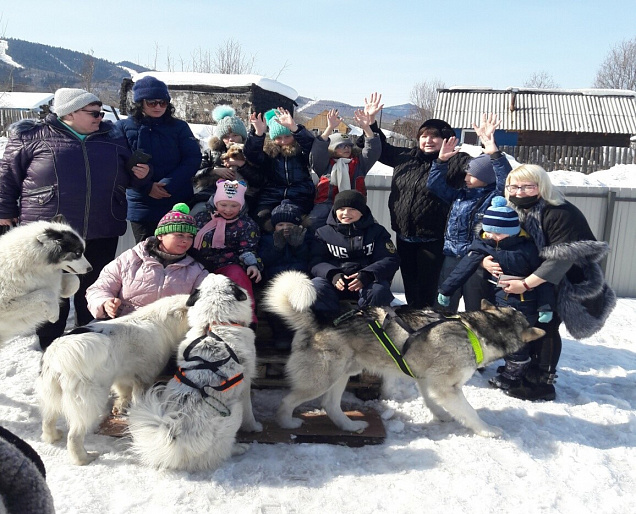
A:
(68, 100)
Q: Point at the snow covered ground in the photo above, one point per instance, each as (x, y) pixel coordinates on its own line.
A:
(575, 454)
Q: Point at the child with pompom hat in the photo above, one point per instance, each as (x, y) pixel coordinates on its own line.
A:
(501, 237)
(286, 160)
(156, 267)
(228, 238)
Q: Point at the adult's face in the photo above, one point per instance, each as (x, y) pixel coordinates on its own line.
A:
(430, 142)
(83, 121)
(154, 108)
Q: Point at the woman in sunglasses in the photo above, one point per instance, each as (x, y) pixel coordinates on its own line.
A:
(71, 163)
(570, 255)
(173, 152)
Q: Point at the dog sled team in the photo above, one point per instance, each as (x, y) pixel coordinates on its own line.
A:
(244, 225)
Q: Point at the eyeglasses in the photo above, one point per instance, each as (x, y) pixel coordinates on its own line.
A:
(94, 114)
(154, 103)
(528, 187)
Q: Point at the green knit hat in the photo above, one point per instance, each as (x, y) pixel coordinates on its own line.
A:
(177, 220)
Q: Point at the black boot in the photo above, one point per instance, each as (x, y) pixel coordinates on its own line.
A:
(534, 388)
(510, 374)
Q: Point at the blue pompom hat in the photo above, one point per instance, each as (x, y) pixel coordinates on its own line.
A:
(500, 219)
(150, 88)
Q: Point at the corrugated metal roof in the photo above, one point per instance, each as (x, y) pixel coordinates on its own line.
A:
(600, 111)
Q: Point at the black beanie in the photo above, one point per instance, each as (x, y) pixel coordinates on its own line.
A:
(286, 212)
(351, 198)
(444, 129)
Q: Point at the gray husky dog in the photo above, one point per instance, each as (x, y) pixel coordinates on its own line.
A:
(440, 358)
(191, 422)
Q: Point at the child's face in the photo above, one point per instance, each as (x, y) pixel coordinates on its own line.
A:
(285, 226)
(285, 140)
(230, 138)
(348, 215)
(495, 236)
(228, 209)
(175, 243)
(472, 182)
(342, 151)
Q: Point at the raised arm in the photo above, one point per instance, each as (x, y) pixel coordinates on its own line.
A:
(486, 132)
(333, 120)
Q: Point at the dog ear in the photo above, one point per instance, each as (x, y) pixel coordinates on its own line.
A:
(487, 306)
(59, 218)
(193, 298)
(239, 294)
(531, 334)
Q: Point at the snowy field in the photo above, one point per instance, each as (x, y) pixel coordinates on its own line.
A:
(575, 454)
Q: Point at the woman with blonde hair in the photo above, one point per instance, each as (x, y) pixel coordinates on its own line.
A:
(571, 256)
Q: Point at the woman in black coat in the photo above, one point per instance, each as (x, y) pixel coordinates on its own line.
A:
(571, 256)
(418, 217)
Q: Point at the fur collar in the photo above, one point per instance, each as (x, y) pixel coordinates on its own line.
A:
(273, 150)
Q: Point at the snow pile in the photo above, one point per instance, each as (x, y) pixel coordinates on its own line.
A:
(4, 57)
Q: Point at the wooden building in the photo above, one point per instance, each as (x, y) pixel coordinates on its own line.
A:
(318, 124)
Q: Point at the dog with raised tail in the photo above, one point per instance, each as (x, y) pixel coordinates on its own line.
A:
(440, 354)
(191, 422)
(126, 353)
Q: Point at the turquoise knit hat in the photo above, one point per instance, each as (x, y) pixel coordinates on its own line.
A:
(275, 128)
(227, 121)
(177, 220)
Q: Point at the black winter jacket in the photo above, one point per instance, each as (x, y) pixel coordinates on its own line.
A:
(47, 170)
(349, 248)
(415, 211)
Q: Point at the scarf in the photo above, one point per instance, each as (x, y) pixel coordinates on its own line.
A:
(340, 174)
(530, 220)
(217, 223)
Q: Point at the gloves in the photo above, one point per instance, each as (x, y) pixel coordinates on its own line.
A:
(545, 316)
(279, 239)
(366, 277)
(337, 277)
(443, 300)
(296, 235)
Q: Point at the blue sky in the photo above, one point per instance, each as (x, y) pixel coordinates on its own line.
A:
(344, 50)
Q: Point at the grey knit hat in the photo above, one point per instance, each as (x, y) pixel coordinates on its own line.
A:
(339, 139)
(481, 168)
(68, 100)
(227, 121)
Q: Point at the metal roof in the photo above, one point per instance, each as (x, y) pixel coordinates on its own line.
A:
(607, 111)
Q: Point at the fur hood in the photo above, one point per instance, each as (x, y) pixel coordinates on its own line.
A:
(22, 126)
(273, 150)
(216, 145)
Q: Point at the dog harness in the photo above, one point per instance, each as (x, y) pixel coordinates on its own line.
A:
(393, 351)
(214, 367)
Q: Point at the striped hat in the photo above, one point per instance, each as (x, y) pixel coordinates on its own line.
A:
(500, 219)
(177, 220)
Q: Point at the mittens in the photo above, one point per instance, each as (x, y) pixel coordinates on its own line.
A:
(279, 239)
(296, 235)
(545, 316)
(443, 300)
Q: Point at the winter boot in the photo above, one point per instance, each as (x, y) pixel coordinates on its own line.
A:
(511, 374)
(535, 387)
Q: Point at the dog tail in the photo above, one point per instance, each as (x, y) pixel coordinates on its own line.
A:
(290, 296)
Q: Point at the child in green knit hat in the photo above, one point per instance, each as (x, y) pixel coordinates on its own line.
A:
(154, 268)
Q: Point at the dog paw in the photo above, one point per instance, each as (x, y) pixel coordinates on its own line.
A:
(239, 449)
(86, 458)
(290, 423)
(489, 431)
(253, 427)
(70, 285)
(51, 436)
(355, 426)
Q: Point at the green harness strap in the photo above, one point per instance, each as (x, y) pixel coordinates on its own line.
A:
(479, 353)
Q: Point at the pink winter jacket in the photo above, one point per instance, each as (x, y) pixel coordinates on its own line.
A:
(138, 279)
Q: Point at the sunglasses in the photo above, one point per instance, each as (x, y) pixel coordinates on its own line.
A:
(154, 103)
(94, 114)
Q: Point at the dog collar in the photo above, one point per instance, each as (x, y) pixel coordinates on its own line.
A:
(472, 337)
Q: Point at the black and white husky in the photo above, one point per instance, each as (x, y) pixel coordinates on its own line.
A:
(191, 423)
(441, 358)
(33, 259)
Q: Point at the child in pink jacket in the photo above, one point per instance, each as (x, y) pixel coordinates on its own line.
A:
(153, 269)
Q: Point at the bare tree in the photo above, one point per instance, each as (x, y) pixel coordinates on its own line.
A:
(618, 71)
(541, 80)
(424, 95)
(87, 71)
(230, 59)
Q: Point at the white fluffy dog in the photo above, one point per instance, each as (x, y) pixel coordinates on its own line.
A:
(127, 353)
(32, 260)
(191, 423)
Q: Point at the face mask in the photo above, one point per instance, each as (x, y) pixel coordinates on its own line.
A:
(524, 202)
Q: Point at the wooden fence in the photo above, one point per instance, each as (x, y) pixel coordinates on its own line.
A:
(586, 159)
(9, 116)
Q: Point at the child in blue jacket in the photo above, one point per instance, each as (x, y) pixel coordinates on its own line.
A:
(502, 238)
